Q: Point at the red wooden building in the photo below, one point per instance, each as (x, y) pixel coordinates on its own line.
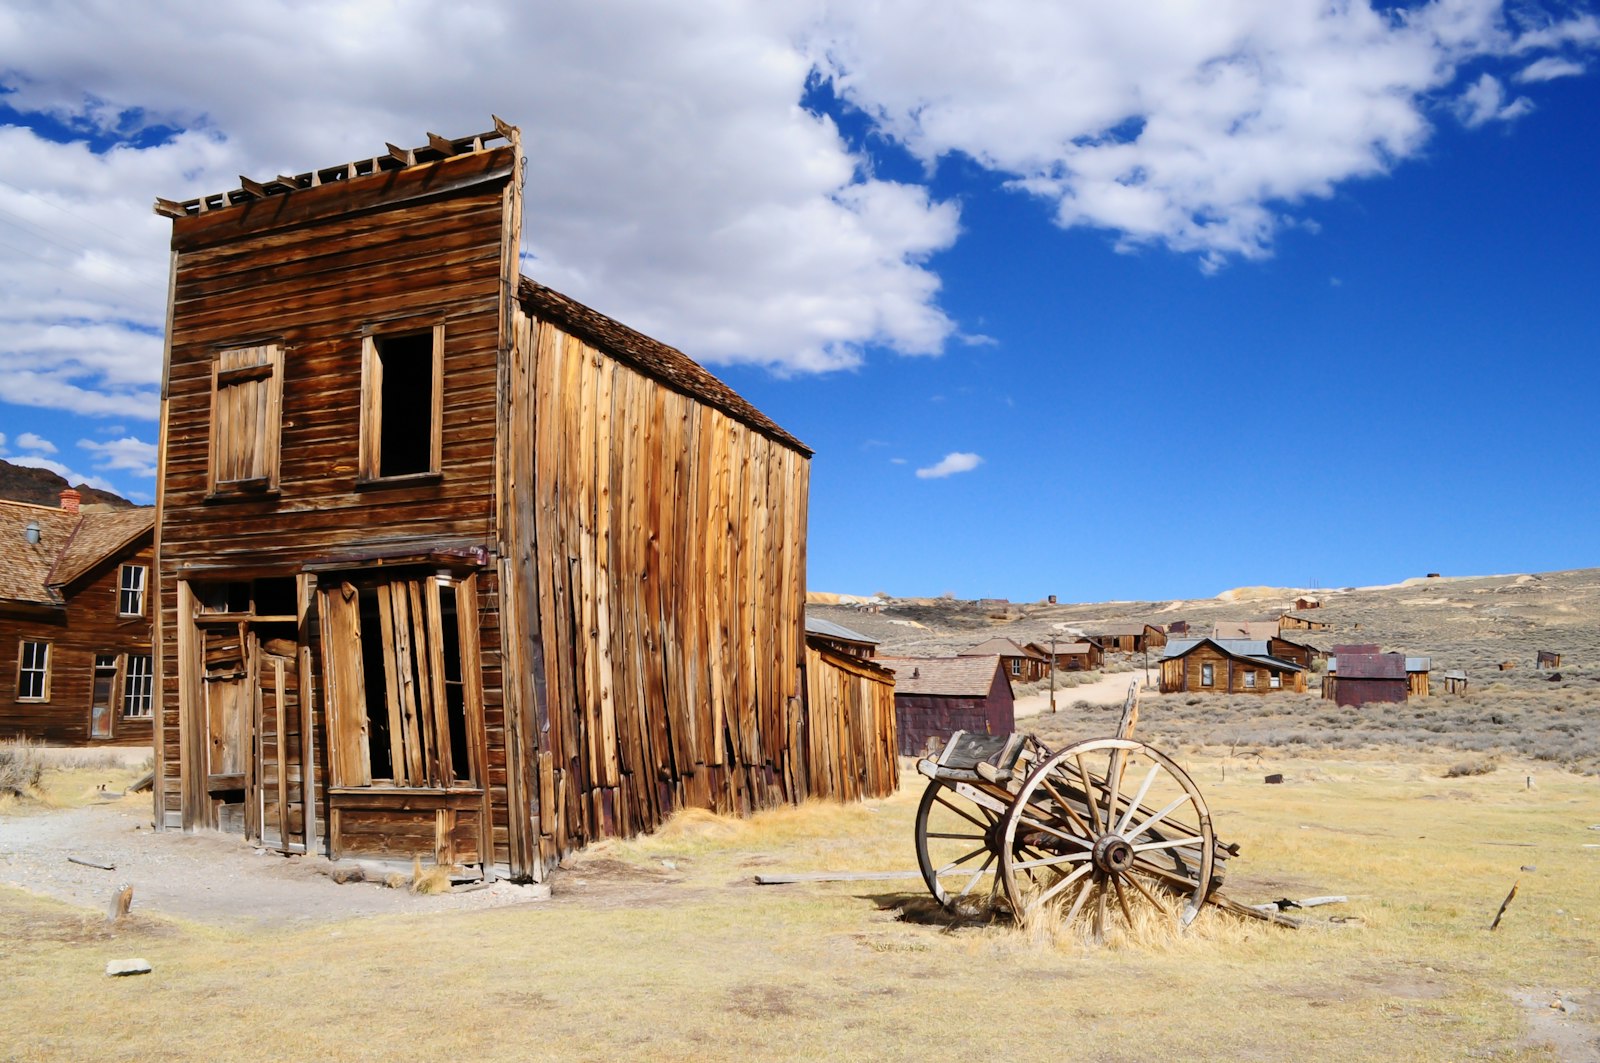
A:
(936, 696)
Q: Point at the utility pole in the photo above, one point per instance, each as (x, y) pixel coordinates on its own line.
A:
(1053, 660)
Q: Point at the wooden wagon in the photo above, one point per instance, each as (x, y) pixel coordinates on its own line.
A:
(1101, 825)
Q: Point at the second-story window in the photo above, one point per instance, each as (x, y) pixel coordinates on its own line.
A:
(402, 384)
(246, 412)
(130, 591)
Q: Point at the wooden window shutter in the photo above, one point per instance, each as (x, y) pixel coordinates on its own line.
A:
(246, 417)
(340, 609)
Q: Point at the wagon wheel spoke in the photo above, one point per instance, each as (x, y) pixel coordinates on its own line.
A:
(1171, 843)
(1088, 793)
(1158, 817)
(1100, 913)
(1077, 904)
(952, 833)
(973, 881)
(1122, 901)
(1138, 799)
(1052, 861)
(1135, 879)
(1066, 880)
(1066, 808)
(964, 814)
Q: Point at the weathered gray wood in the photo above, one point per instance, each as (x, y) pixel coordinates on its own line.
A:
(91, 863)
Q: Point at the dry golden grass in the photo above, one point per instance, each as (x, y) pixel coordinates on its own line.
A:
(682, 958)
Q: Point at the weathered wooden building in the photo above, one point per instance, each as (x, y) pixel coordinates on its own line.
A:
(75, 620)
(1022, 664)
(850, 732)
(1295, 652)
(1227, 666)
(1291, 622)
(451, 564)
(1303, 604)
(1078, 656)
(936, 696)
(1547, 659)
(1130, 638)
(1356, 679)
(838, 638)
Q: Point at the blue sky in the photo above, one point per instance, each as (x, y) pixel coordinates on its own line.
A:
(1290, 295)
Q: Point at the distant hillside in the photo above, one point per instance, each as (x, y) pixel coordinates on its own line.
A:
(22, 483)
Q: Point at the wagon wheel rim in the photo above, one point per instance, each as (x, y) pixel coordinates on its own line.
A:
(957, 845)
(1100, 823)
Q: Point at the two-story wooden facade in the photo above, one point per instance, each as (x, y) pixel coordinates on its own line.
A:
(75, 623)
(451, 564)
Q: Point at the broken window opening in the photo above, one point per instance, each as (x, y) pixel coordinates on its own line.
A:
(401, 404)
(396, 690)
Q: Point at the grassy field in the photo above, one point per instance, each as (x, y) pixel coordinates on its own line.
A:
(662, 947)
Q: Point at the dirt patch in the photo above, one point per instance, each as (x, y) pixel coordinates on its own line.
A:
(1562, 1020)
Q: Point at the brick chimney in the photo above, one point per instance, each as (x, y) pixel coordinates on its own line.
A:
(71, 500)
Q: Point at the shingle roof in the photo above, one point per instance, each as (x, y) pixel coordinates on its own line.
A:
(100, 534)
(651, 357)
(1122, 629)
(950, 676)
(69, 545)
(815, 625)
(1369, 666)
(1243, 649)
(1000, 646)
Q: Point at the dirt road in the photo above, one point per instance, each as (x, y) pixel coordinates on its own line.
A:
(1109, 690)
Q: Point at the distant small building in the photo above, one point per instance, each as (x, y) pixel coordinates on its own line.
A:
(1296, 652)
(1227, 666)
(1546, 659)
(1290, 622)
(1178, 627)
(1356, 679)
(1245, 629)
(839, 638)
(1130, 638)
(1077, 656)
(1417, 671)
(1303, 604)
(1455, 682)
(936, 696)
(1022, 664)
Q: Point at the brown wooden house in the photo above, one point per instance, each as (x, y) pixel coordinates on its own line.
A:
(1130, 638)
(1303, 604)
(1295, 652)
(1022, 664)
(1078, 656)
(1290, 622)
(450, 564)
(75, 623)
(850, 723)
(936, 696)
(1227, 666)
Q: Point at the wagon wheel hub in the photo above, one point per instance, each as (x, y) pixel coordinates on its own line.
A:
(1113, 855)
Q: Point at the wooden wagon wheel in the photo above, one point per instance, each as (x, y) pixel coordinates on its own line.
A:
(1099, 822)
(958, 832)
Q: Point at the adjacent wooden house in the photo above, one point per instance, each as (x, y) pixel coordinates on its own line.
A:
(450, 564)
(1295, 652)
(75, 623)
(1227, 666)
(1079, 656)
(1021, 663)
(1130, 638)
(936, 696)
(850, 731)
(1291, 622)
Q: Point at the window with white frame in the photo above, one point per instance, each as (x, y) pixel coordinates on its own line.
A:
(1250, 679)
(33, 671)
(130, 590)
(1208, 675)
(1276, 681)
(137, 687)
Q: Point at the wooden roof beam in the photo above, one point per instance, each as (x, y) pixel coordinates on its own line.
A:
(254, 188)
(441, 145)
(169, 209)
(406, 156)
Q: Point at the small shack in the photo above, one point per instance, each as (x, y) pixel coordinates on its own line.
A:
(75, 620)
(1355, 679)
(1022, 664)
(1078, 656)
(1178, 627)
(1227, 666)
(1303, 604)
(936, 696)
(1130, 638)
(1546, 659)
(1455, 682)
(1417, 670)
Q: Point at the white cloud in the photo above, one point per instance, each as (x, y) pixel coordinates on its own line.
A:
(949, 465)
(36, 443)
(1485, 101)
(128, 454)
(1196, 126)
(1549, 68)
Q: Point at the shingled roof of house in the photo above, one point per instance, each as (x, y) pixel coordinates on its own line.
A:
(69, 545)
(1002, 647)
(963, 677)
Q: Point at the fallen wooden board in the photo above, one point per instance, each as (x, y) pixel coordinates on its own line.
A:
(1309, 902)
(839, 876)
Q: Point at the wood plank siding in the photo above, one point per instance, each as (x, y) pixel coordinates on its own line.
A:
(1208, 669)
(850, 725)
(96, 660)
(453, 566)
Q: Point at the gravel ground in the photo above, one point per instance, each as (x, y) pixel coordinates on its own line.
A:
(209, 878)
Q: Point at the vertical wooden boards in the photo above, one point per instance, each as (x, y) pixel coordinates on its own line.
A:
(851, 742)
(346, 698)
(670, 593)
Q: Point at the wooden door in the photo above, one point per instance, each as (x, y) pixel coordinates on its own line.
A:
(278, 791)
